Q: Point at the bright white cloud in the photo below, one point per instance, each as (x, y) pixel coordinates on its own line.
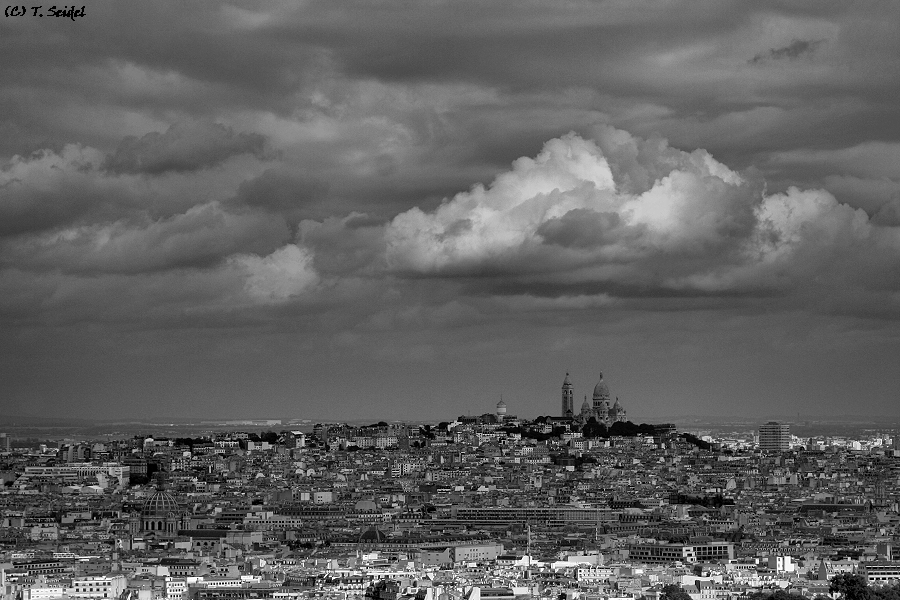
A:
(570, 173)
(543, 204)
(622, 211)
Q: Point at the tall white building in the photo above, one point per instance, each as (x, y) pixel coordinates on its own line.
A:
(775, 437)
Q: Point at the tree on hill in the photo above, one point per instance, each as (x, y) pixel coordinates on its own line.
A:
(778, 594)
(673, 592)
(887, 592)
(594, 429)
(850, 586)
(693, 439)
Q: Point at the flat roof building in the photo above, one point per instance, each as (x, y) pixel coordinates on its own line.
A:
(775, 437)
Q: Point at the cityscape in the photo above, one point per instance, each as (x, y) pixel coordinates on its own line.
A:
(450, 300)
(562, 506)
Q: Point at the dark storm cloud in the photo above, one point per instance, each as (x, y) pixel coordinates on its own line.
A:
(183, 147)
(200, 60)
(48, 189)
(340, 169)
(207, 43)
(199, 238)
(286, 192)
(889, 213)
(473, 40)
(61, 196)
(795, 49)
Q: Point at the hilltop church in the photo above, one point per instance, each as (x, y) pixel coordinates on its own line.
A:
(599, 407)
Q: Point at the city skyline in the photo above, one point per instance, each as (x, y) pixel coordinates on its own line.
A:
(337, 210)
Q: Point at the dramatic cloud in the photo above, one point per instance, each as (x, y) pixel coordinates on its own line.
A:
(49, 188)
(644, 218)
(202, 236)
(285, 192)
(268, 201)
(571, 210)
(183, 148)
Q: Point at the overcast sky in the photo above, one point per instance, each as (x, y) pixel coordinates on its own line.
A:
(404, 210)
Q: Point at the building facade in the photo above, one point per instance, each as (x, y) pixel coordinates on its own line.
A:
(775, 437)
(662, 553)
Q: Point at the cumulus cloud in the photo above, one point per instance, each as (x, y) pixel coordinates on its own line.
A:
(497, 221)
(620, 215)
(572, 207)
(865, 175)
(284, 274)
(588, 221)
(183, 147)
(871, 194)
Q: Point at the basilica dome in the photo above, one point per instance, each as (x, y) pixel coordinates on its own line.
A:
(601, 390)
(160, 504)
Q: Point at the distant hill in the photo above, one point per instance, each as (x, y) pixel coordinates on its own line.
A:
(34, 421)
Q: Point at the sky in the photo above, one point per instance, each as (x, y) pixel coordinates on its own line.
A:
(409, 210)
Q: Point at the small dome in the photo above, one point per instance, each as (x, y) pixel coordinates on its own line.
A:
(160, 504)
(501, 408)
(585, 406)
(566, 381)
(372, 535)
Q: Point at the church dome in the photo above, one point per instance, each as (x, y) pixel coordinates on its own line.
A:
(585, 406)
(501, 408)
(372, 536)
(160, 504)
(601, 390)
(566, 381)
